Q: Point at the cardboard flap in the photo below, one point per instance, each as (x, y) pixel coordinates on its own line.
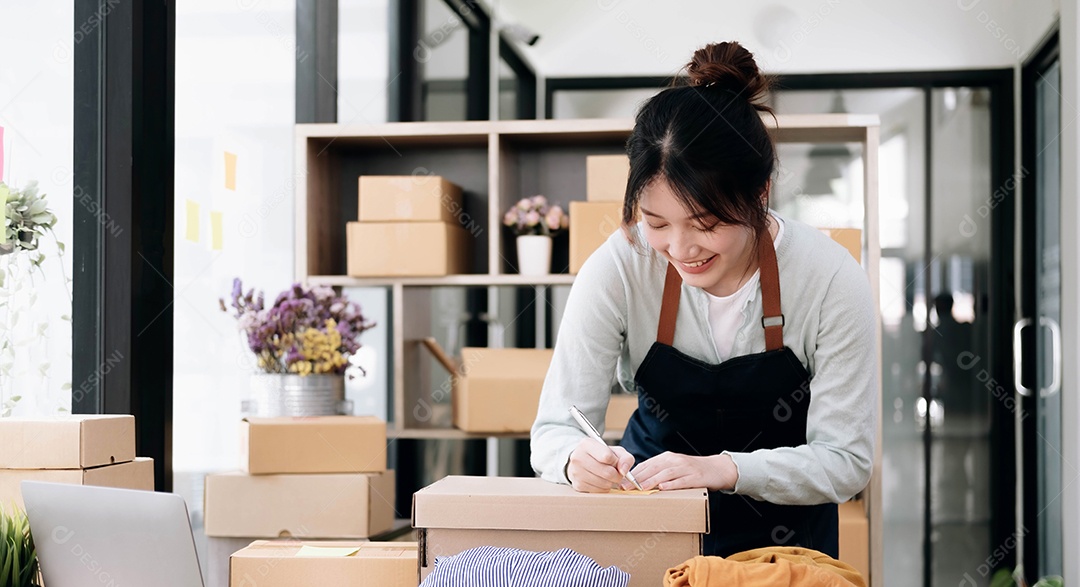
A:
(440, 355)
(506, 363)
(517, 503)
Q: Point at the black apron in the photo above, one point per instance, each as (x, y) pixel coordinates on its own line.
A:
(744, 404)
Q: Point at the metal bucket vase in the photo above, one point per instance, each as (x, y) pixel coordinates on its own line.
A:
(294, 395)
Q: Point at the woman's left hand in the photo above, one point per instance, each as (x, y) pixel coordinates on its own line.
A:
(671, 470)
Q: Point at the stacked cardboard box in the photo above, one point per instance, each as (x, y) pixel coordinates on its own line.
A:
(313, 478)
(408, 226)
(78, 449)
(643, 535)
(593, 221)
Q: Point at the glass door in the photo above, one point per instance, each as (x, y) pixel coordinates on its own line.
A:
(1038, 329)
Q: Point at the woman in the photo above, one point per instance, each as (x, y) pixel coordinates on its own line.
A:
(762, 394)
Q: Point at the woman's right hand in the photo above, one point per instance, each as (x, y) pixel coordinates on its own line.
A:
(594, 469)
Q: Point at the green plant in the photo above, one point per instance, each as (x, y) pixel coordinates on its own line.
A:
(1007, 578)
(18, 559)
(24, 359)
(27, 217)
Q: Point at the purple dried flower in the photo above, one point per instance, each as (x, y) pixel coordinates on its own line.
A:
(271, 332)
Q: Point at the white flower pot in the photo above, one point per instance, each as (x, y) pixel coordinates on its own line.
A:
(534, 254)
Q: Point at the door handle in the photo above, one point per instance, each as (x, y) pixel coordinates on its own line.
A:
(1017, 356)
(1055, 357)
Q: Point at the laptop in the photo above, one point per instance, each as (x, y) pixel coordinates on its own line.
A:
(88, 535)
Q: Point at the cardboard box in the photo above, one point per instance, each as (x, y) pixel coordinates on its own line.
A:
(606, 177)
(416, 198)
(855, 537)
(407, 249)
(591, 223)
(136, 474)
(495, 390)
(66, 442)
(325, 444)
(851, 238)
(301, 506)
(285, 564)
(218, 551)
(643, 535)
(619, 409)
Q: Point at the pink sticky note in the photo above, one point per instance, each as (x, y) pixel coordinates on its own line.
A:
(1, 153)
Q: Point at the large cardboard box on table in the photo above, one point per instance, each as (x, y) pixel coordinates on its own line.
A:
(606, 177)
(414, 198)
(136, 474)
(643, 535)
(337, 505)
(855, 537)
(66, 442)
(407, 249)
(495, 390)
(322, 444)
(318, 564)
(591, 223)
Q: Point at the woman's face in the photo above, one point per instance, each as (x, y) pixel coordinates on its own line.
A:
(705, 253)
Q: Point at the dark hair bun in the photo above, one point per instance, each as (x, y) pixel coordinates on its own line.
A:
(729, 66)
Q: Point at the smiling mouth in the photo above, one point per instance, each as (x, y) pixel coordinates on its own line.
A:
(697, 263)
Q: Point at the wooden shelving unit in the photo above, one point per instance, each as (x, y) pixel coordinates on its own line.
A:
(496, 163)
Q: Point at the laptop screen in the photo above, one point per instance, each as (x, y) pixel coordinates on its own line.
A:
(88, 535)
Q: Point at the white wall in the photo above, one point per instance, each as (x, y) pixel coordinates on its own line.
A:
(639, 37)
(235, 92)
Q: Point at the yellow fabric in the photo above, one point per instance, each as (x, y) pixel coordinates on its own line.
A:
(765, 567)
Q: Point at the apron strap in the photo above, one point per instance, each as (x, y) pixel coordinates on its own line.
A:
(665, 334)
(772, 319)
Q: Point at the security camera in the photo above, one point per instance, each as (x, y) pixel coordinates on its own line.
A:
(521, 34)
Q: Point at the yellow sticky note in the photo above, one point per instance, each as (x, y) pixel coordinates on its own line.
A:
(327, 551)
(635, 491)
(192, 232)
(230, 171)
(215, 230)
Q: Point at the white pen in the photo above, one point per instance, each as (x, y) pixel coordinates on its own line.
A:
(587, 427)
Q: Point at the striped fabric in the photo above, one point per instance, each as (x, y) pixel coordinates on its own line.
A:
(491, 566)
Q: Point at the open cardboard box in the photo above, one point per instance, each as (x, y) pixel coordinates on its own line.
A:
(295, 563)
(644, 535)
(494, 390)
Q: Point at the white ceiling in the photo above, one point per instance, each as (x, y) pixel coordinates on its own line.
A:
(639, 37)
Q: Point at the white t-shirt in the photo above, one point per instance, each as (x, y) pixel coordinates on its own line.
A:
(726, 315)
